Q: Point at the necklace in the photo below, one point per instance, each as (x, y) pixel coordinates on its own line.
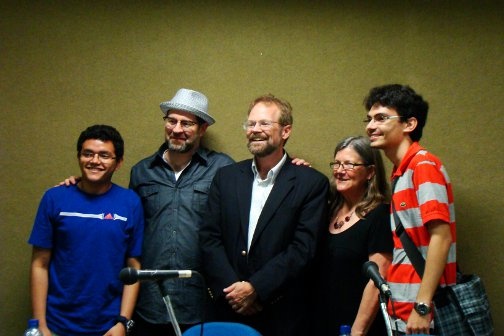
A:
(339, 223)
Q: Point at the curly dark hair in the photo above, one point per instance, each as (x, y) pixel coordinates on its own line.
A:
(404, 100)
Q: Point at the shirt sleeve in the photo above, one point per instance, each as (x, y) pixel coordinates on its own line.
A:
(380, 234)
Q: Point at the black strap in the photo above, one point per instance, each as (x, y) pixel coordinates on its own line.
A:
(415, 257)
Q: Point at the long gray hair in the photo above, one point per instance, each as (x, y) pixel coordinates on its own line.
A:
(378, 190)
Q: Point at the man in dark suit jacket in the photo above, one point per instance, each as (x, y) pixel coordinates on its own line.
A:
(264, 220)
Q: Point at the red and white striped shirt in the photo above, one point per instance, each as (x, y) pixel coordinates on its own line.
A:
(423, 193)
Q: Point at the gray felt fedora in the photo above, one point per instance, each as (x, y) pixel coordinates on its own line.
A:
(190, 101)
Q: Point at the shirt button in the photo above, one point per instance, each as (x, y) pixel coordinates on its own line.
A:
(244, 253)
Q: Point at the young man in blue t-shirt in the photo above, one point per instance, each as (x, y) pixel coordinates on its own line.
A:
(82, 237)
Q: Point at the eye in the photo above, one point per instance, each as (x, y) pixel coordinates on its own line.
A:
(380, 117)
(105, 156)
(171, 121)
(249, 124)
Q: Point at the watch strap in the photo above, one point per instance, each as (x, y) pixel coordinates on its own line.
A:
(127, 323)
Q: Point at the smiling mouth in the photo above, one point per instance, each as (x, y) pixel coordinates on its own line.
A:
(95, 169)
(257, 139)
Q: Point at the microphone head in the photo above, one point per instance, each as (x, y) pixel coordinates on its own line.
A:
(128, 275)
(367, 266)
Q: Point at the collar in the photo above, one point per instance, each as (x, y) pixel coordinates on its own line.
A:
(412, 151)
(273, 173)
(200, 155)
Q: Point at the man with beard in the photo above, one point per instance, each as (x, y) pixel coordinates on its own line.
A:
(264, 220)
(173, 184)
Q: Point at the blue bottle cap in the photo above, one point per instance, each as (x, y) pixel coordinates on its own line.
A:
(33, 323)
(345, 329)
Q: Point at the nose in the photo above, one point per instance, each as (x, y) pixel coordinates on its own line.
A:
(95, 158)
(370, 125)
(337, 170)
(178, 127)
(256, 128)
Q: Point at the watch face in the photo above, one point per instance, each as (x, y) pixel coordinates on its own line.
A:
(130, 324)
(422, 308)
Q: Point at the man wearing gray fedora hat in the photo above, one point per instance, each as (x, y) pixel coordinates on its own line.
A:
(173, 184)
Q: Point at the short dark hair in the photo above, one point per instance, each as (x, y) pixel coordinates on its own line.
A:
(404, 100)
(103, 133)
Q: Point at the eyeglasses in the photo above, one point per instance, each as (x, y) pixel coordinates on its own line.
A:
(172, 123)
(263, 124)
(346, 165)
(380, 118)
(104, 157)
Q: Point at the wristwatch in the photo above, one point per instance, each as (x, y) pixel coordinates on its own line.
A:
(422, 308)
(128, 324)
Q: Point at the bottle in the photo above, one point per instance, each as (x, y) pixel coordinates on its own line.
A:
(33, 328)
(345, 330)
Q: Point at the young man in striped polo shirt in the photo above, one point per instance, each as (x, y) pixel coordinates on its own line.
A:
(423, 200)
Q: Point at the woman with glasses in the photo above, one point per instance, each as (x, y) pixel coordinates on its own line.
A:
(358, 231)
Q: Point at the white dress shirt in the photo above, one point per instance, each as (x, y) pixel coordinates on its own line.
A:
(260, 192)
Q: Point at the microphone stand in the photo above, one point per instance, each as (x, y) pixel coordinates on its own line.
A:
(383, 307)
(169, 308)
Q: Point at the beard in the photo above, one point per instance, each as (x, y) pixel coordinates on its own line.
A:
(261, 150)
(184, 147)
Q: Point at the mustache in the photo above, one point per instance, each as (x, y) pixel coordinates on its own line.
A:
(257, 137)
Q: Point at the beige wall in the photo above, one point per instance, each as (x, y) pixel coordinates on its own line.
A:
(68, 65)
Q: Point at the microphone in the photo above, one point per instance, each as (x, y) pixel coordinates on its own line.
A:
(131, 275)
(370, 270)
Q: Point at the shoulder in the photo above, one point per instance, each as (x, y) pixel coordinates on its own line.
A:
(238, 166)
(61, 191)
(379, 214)
(215, 157)
(124, 193)
(380, 210)
(145, 162)
(424, 157)
(305, 172)
(427, 167)
(377, 222)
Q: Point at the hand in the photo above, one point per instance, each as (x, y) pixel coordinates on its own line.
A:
(72, 180)
(117, 330)
(300, 162)
(45, 331)
(242, 297)
(355, 332)
(418, 324)
(255, 308)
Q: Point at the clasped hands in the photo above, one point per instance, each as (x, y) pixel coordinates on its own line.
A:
(242, 298)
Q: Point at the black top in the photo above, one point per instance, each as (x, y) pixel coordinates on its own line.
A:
(341, 279)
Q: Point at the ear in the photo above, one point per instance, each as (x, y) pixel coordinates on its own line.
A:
(286, 131)
(371, 171)
(119, 164)
(410, 125)
(202, 128)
